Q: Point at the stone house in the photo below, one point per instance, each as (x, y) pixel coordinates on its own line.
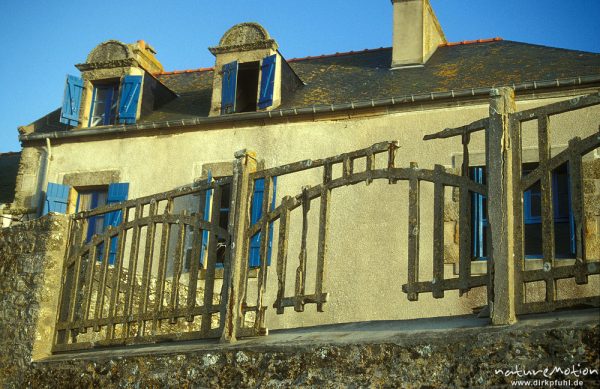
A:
(128, 130)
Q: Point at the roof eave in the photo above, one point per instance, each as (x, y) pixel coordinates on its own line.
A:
(315, 109)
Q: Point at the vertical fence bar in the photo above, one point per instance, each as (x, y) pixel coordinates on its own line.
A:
(194, 266)
(464, 222)
(116, 281)
(576, 192)
(518, 225)
(67, 284)
(414, 225)
(282, 251)
(177, 267)
(234, 268)
(547, 206)
(370, 163)
(323, 232)
(211, 260)
(245, 269)
(259, 324)
(301, 270)
(88, 284)
(133, 259)
(501, 207)
(347, 166)
(147, 267)
(438, 234)
(102, 281)
(74, 291)
(163, 258)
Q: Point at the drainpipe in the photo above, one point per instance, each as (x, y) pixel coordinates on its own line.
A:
(44, 179)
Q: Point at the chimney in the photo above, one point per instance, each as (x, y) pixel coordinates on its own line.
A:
(417, 33)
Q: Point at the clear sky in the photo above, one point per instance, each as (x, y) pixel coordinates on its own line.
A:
(42, 40)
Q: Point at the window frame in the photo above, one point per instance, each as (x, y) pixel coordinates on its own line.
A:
(113, 86)
(479, 221)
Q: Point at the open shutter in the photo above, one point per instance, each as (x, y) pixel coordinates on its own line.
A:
(229, 87)
(128, 101)
(57, 197)
(69, 113)
(206, 218)
(255, 215)
(116, 194)
(267, 81)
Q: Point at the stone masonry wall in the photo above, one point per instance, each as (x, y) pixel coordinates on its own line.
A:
(454, 358)
(31, 257)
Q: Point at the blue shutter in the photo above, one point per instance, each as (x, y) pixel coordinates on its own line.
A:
(116, 194)
(69, 113)
(479, 218)
(57, 197)
(255, 215)
(128, 102)
(229, 87)
(206, 218)
(267, 81)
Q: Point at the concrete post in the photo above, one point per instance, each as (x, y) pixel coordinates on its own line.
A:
(244, 165)
(500, 181)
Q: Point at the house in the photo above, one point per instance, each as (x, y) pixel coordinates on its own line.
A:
(128, 129)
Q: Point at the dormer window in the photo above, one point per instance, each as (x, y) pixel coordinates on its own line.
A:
(251, 72)
(109, 91)
(104, 104)
(240, 89)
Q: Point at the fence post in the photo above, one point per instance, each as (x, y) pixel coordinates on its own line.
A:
(500, 170)
(239, 220)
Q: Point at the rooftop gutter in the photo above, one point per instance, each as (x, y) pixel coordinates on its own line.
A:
(290, 112)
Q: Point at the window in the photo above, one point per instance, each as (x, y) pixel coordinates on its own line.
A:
(88, 199)
(240, 85)
(564, 244)
(59, 198)
(104, 105)
(254, 259)
(113, 101)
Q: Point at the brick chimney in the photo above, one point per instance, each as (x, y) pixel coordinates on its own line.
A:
(417, 33)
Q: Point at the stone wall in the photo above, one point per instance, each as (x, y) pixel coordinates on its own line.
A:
(454, 358)
(31, 257)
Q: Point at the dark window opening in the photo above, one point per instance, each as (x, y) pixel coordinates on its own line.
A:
(247, 87)
(532, 215)
(104, 104)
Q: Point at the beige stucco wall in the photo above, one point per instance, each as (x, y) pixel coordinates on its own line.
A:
(367, 260)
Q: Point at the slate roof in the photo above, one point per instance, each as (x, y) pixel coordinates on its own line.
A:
(359, 76)
(347, 77)
(9, 165)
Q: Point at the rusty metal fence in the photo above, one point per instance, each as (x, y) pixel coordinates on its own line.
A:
(120, 287)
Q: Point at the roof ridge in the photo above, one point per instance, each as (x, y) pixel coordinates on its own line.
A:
(184, 71)
(496, 39)
(337, 54)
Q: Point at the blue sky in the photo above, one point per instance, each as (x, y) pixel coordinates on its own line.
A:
(42, 40)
